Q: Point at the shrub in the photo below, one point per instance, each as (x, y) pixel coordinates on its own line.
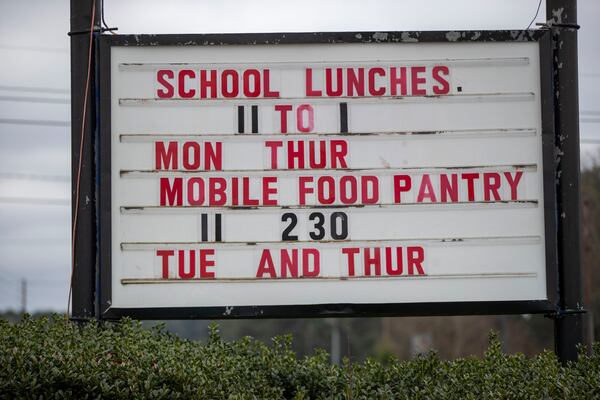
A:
(54, 358)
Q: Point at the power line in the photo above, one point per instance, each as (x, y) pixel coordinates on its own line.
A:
(36, 201)
(589, 112)
(14, 280)
(589, 120)
(29, 99)
(34, 48)
(590, 141)
(34, 177)
(36, 122)
(39, 240)
(535, 16)
(32, 89)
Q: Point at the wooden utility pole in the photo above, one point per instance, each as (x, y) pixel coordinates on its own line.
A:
(23, 296)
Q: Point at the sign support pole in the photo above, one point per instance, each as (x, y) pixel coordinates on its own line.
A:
(561, 16)
(83, 279)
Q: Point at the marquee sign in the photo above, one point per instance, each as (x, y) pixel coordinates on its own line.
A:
(325, 174)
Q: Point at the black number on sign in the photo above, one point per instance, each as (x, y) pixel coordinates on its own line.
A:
(320, 232)
(293, 219)
(343, 219)
(204, 225)
(338, 225)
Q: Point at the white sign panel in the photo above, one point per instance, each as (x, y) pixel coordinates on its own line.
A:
(313, 174)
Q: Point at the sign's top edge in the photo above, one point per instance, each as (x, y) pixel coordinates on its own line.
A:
(324, 37)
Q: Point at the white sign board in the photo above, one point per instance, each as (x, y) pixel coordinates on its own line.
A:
(316, 173)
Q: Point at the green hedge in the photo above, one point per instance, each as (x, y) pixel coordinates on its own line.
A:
(53, 358)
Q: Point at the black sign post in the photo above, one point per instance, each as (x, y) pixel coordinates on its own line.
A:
(83, 187)
(568, 325)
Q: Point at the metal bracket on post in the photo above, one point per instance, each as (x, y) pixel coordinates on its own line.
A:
(561, 313)
(550, 24)
(96, 30)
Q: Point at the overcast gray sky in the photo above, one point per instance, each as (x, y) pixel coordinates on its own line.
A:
(35, 159)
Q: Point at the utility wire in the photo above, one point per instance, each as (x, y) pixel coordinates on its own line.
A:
(591, 120)
(34, 89)
(29, 99)
(36, 201)
(102, 14)
(34, 48)
(35, 122)
(103, 21)
(40, 240)
(37, 281)
(34, 177)
(535, 16)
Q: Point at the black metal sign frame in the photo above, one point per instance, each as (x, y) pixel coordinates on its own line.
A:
(103, 195)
